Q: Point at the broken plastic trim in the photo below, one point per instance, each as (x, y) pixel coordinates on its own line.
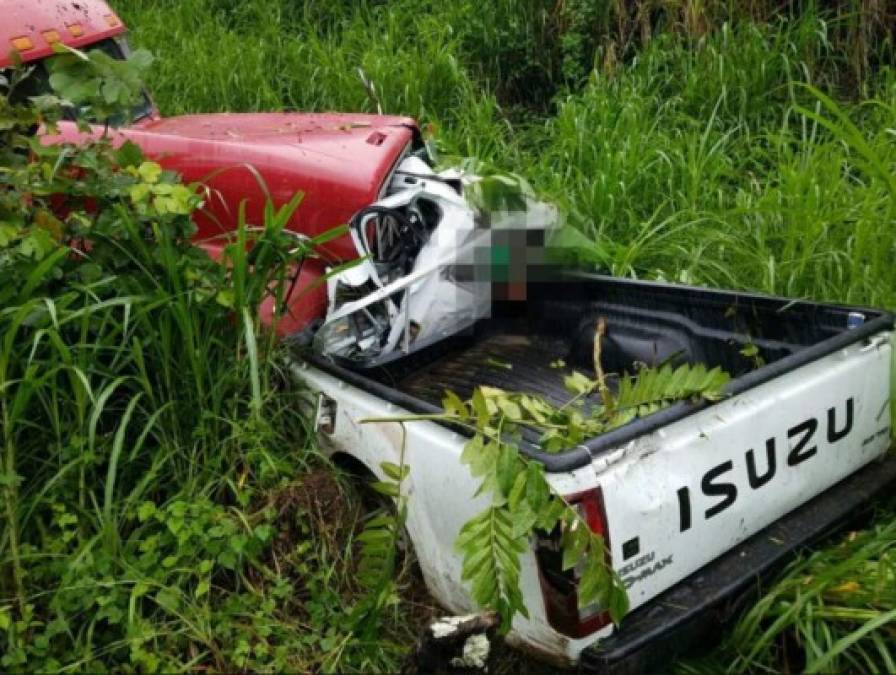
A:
(399, 298)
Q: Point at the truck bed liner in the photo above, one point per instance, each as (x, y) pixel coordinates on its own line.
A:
(647, 322)
(507, 361)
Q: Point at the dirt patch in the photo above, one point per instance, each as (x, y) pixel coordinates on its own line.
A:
(335, 512)
(322, 500)
(318, 492)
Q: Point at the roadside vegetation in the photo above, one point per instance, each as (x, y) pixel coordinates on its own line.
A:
(684, 140)
(176, 513)
(729, 144)
(164, 507)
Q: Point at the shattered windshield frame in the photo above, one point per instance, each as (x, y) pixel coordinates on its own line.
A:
(36, 82)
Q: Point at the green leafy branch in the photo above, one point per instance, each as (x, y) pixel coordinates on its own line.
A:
(380, 541)
(523, 502)
(100, 85)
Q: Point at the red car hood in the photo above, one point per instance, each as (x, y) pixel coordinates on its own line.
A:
(339, 135)
(339, 161)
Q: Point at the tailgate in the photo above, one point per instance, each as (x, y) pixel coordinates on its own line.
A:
(691, 615)
(685, 494)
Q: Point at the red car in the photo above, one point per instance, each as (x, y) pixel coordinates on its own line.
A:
(341, 162)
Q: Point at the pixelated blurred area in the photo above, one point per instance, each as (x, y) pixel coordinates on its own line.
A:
(516, 258)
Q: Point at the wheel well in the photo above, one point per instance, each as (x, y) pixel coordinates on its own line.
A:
(352, 466)
(363, 476)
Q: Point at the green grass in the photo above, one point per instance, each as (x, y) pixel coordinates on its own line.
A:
(834, 611)
(672, 174)
(164, 505)
(689, 141)
(707, 165)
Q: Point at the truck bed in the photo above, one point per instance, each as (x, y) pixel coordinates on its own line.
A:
(511, 361)
(530, 346)
(696, 501)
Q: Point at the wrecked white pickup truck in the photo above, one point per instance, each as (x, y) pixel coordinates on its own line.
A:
(696, 502)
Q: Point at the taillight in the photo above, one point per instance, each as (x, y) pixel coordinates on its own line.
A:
(559, 587)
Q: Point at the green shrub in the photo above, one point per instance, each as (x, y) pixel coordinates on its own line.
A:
(154, 454)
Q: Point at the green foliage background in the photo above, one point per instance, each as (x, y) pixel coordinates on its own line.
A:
(164, 507)
(678, 135)
(678, 144)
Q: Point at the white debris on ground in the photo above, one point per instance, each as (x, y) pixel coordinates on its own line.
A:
(475, 655)
(454, 644)
(448, 625)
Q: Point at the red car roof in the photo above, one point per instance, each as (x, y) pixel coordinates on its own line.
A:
(30, 27)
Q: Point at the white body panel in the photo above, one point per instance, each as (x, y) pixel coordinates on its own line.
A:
(641, 481)
(426, 303)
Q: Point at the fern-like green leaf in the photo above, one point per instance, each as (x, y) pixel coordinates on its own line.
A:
(492, 546)
(652, 389)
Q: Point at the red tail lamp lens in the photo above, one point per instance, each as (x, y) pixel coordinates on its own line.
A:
(559, 587)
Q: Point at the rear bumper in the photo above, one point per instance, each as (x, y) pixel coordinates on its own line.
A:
(693, 611)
